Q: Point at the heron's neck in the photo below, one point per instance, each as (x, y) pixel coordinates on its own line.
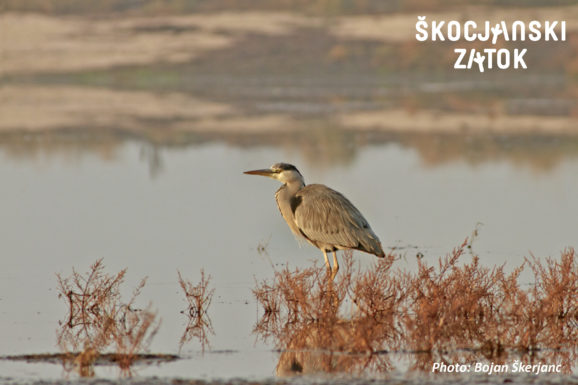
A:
(293, 186)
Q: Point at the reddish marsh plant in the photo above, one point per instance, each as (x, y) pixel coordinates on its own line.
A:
(99, 321)
(304, 316)
(199, 299)
(452, 312)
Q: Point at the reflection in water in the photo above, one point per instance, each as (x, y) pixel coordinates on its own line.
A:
(324, 144)
(538, 152)
(321, 145)
(303, 317)
(453, 313)
(102, 329)
(69, 145)
(199, 323)
(99, 320)
(151, 154)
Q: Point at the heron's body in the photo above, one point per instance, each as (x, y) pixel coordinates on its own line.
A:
(321, 215)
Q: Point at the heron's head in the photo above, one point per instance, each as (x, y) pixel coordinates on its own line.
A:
(283, 172)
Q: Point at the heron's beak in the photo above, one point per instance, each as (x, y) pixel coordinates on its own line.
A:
(264, 172)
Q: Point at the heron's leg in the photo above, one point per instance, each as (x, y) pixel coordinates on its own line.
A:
(335, 265)
(326, 259)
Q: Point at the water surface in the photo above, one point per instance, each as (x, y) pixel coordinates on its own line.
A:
(201, 212)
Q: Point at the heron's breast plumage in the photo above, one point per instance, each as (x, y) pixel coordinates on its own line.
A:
(283, 198)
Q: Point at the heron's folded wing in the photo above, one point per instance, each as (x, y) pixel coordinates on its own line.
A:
(325, 215)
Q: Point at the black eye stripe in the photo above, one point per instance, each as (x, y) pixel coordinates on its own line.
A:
(284, 167)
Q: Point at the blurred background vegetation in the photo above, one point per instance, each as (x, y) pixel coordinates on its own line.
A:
(317, 7)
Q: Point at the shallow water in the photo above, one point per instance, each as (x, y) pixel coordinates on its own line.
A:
(201, 212)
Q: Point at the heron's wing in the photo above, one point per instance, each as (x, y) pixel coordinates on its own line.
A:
(326, 217)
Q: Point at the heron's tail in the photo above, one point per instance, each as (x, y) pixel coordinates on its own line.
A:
(379, 253)
(372, 245)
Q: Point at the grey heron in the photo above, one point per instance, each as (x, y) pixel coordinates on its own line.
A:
(321, 215)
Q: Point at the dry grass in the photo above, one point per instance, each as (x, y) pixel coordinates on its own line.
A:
(454, 311)
(199, 299)
(99, 321)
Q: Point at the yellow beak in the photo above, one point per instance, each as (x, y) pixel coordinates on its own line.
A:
(263, 172)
